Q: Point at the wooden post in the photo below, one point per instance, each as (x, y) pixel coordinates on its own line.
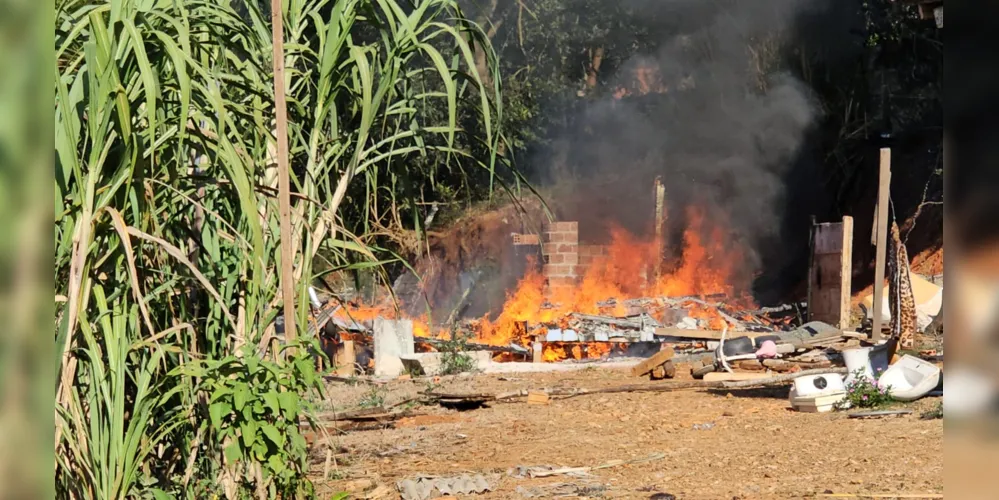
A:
(660, 220)
(881, 226)
(284, 180)
(344, 359)
(846, 272)
(539, 351)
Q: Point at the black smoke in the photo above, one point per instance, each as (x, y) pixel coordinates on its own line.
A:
(725, 124)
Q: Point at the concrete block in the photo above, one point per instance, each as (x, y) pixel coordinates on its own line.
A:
(393, 339)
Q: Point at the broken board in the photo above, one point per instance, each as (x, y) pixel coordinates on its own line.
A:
(705, 334)
(734, 376)
(344, 359)
(651, 363)
(537, 398)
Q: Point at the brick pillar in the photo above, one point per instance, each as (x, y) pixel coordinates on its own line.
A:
(588, 255)
(561, 253)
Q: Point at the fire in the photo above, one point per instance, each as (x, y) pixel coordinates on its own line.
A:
(629, 270)
(632, 267)
(645, 79)
(557, 351)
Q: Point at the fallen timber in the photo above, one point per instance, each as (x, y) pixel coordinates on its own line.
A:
(568, 392)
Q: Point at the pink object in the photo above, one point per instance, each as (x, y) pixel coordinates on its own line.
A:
(767, 350)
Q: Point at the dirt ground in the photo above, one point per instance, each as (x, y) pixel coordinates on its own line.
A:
(745, 444)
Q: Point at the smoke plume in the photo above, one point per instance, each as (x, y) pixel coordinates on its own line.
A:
(709, 109)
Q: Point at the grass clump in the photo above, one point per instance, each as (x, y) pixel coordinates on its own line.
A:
(454, 355)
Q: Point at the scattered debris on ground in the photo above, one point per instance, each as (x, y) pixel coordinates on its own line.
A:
(706, 436)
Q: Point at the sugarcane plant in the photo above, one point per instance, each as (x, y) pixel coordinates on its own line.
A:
(171, 380)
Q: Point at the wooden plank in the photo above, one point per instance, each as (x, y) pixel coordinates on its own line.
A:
(539, 351)
(884, 186)
(846, 273)
(828, 238)
(344, 358)
(287, 275)
(537, 398)
(829, 275)
(649, 364)
(725, 376)
(704, 334)
(660, 222)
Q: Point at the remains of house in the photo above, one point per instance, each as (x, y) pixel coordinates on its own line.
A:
(596, 302)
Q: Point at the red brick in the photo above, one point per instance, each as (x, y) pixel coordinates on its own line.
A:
(556, 282)
(555, 237)
(567, 248)
(569, 258)
(556, 258)
(567, 226)
(556, 270)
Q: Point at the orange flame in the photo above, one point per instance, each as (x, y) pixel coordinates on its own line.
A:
(627, 270)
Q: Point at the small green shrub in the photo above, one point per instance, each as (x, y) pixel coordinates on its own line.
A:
(373, 399)
(865, 392)
(249, 417)
(454, 357)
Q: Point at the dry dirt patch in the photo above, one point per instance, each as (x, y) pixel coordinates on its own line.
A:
(745, 445)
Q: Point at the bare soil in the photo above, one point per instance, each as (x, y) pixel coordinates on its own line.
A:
(753, 447)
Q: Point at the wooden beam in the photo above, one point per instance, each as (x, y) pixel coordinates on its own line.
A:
(344, 359)
(660, 222)
(846, 273)
(284, 181)
(704, 334)
(651, 363)
(881, 225)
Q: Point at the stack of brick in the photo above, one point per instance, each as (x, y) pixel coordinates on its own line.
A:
(588, 254)
(561, 254)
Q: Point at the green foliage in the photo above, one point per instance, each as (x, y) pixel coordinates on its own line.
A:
(373, 399)
(166, 219)
(454, 357)
(865, 392)
(249, 414)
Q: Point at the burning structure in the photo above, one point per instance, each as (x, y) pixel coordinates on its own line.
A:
(721, 136)
(579, 300)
